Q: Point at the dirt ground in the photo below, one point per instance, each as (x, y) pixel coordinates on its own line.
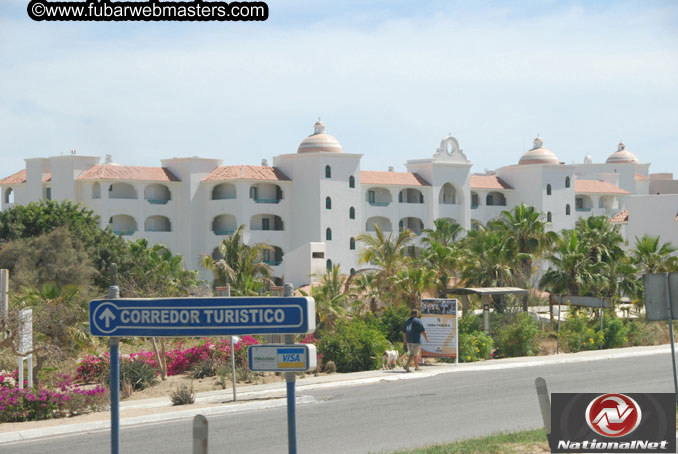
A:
(165, 388)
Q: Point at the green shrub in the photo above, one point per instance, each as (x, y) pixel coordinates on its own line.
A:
(354, 346)
(520, 338)
(139, 374)
(469, 323)
(204, 368)
(392, 321)
(641, 332)
(615, 333)
(577, 333)
(183, 394)
(474, 346)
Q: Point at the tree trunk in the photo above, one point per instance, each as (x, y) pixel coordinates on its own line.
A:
(160, 358)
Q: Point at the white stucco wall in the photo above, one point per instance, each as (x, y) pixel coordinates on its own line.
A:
(653, 215)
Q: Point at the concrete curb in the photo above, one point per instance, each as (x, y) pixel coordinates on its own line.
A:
(31, 434)
(275, 393)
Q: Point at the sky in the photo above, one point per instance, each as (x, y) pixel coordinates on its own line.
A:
(389, 78)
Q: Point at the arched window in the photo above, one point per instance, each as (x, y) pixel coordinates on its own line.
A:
(328, 172)
(351, 182)
(351, 213)
(548, 189)
(328, 234)
(567, 209)
(328, 203)
(9, 195)
(548, 217)
(351, 244)
(329, 265)
(567, 182)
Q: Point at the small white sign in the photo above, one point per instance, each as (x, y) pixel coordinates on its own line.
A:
(25, 330)
(282, 358)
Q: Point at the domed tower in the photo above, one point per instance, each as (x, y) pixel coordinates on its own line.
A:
(538, 154)
(319, 141)
(325, 203)
(622, 156)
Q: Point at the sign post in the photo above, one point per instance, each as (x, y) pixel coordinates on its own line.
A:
(4, 292)
(661, 295)
(25, 345)
(291, 379)
(196, 317)
(114, 354)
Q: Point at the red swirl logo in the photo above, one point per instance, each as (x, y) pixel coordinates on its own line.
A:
(613, 415)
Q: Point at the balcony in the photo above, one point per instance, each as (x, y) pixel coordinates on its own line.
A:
(124, 232)
(583, 209)
(157, 201)
(474, 207)
(272, 262)
(266, 200)
(380, 204)
(224, 232)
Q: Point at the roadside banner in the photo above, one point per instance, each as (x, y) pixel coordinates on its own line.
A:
(439, 316)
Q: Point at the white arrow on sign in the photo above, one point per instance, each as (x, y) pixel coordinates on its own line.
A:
(107, 316)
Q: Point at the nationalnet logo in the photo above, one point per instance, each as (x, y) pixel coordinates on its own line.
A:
(613, 423)
(613, 415)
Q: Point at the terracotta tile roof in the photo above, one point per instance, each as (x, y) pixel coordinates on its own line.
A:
(641, 177)
(397, 178)
(115, 172)
(488, 182)
(620, 218)
(596, 187)
(20, 177)
(243, 172)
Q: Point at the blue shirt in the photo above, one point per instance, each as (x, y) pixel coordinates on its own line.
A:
(413, 329)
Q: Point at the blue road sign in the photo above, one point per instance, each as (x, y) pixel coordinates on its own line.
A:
(195, 317)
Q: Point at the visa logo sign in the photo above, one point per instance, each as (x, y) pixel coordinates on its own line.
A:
(291, 357)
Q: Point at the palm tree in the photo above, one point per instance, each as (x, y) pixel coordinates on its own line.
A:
(444, 261)
(240, 265)
(528, 230)
(410, 283)
(602, 238)
(653, 257)
(445, 232)
(621, 279)
(571, 271)
(331, 303)
(490, 259)
(386, 253)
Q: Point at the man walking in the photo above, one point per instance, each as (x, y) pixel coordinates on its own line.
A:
(413, 329)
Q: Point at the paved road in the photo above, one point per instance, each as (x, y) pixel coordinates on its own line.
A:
(381, 417)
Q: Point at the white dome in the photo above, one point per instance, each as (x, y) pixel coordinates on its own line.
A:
(538, 154)
(319, 141)
(622, 156)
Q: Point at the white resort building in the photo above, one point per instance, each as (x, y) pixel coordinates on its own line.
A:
(310, 205)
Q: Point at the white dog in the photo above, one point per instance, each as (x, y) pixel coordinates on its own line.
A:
(389, 360)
